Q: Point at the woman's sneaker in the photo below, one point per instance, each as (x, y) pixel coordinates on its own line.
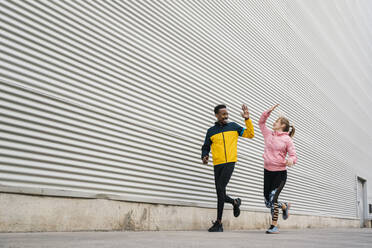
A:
(236, 207)
(273, 230)
(217, 227)
(286, 211)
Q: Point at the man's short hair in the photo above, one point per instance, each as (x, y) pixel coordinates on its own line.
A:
(218, 107)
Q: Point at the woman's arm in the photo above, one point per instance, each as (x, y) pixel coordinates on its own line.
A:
(292, 156)
(262, 122)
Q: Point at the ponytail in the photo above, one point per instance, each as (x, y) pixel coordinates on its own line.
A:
(285, 121)
(292, 132)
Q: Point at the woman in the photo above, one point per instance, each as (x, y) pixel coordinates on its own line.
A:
(277, 144)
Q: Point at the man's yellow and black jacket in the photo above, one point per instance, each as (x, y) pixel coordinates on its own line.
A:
(222, 139)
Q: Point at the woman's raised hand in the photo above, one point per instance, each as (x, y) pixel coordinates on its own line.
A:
(273, 107)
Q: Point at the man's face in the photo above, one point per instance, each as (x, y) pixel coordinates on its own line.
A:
(222, 116)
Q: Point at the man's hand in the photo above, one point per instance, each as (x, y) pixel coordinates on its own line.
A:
(245, 113)
(273, 107)
(289, 163)
(205, 159)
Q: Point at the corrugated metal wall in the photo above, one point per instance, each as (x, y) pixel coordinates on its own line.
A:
(113, 99)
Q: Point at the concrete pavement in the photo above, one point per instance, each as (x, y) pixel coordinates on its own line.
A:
(317, 238)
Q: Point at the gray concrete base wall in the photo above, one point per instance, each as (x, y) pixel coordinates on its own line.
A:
(27, 213)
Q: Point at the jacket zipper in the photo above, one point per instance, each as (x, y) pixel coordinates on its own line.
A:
(224, 145)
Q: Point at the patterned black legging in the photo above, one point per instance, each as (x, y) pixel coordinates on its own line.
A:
(274, 182)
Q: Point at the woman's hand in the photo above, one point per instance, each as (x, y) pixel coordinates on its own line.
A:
(273, 107)
(289, 163)
(245, 113)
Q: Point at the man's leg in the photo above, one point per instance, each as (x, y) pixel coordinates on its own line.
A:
(225, 172)
(218, 170)
(227, 175)
(221, 173)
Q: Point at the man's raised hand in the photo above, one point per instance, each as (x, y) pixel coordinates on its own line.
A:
(245, 113)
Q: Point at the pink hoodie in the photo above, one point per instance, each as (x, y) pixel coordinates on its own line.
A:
(277, 144)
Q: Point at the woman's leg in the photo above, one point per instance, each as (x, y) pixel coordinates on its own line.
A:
(267, 187)
(279, 182)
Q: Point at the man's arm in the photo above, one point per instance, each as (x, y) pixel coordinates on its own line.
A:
(247, 132)
(206, 148)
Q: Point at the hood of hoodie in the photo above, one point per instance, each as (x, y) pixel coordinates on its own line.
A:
(279, 133)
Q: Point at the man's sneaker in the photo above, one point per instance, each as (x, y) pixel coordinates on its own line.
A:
(286, 211)
(217, 227)
(236, 207)
(273, 230)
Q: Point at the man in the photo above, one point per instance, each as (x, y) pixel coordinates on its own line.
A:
(222, 138)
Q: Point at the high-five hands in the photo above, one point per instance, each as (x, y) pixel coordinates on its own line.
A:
(245, 113)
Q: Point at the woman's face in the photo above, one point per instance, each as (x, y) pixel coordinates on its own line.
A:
(278, 125)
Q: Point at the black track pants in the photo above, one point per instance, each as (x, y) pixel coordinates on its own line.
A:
(222, 175)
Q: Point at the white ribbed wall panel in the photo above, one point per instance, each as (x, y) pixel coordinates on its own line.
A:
(115, 97)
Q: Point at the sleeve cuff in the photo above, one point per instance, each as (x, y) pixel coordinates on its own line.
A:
(242, 132)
